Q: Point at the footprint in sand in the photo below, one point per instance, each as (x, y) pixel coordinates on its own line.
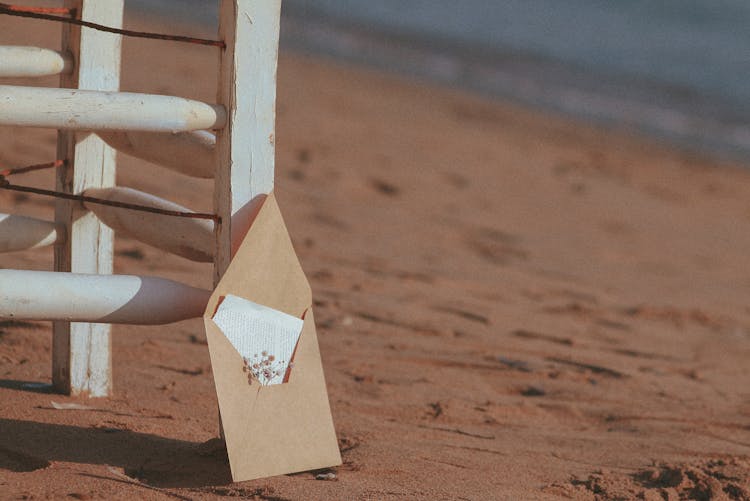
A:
(385, 188)
(495, 246)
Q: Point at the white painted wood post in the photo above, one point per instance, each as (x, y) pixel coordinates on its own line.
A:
(247, 89)
(20, 61)
(112, 299)
(24, 233)
(81, 352)
(245, 148)
(191, 153)
(190, 238)
(91, 110)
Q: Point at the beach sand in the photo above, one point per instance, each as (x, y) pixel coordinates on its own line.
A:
(510, 306)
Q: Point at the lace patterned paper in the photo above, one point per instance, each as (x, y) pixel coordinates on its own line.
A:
(259, 333)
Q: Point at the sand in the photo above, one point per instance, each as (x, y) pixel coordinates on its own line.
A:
(510, 306)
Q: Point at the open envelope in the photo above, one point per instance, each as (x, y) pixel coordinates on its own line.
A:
(284, 428)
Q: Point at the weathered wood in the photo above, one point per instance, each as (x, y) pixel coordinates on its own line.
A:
(25, 233)
(190, 238)
(97, 110)
(81, 352)
(112, 299)
(19, 61)
(191, 153)
(247, 89)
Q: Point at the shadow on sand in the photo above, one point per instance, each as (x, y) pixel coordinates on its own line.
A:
(161, 462)
(28, 386)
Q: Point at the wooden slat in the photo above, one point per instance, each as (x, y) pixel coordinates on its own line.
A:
(190, 238)
(96, 110)
(19, 61)
(190, 153)
(247, 89)
(113, 299)
(81, 352)
(25, 233)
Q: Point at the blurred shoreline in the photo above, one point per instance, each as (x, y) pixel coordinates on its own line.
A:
(677, 114)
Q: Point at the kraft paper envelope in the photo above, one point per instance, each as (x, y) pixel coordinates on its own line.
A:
(284, 428)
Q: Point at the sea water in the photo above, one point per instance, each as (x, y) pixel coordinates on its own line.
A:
(678, 69)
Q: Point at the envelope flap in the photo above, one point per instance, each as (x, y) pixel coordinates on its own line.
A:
(265, 268)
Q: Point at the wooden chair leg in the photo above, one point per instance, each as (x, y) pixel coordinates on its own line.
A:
(81, 352)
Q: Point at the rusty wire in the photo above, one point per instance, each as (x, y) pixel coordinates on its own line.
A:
(48, 15)
(7, 185)
(31, 168)
(41, 10)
